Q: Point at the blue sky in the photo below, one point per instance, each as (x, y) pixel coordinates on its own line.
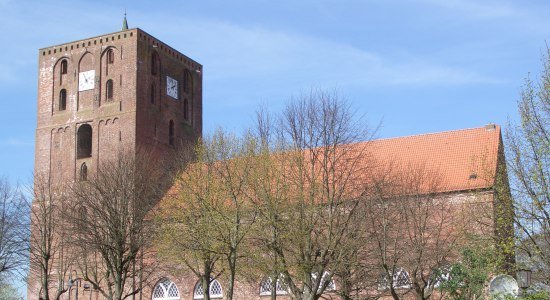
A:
(417, 66)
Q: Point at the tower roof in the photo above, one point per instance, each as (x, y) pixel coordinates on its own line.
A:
(124, 22)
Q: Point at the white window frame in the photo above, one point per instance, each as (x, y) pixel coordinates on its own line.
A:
(165, 286)
(198, 293)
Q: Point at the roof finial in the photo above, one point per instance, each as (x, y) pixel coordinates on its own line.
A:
(124, 22)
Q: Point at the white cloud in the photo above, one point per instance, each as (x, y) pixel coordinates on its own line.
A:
(230, 51)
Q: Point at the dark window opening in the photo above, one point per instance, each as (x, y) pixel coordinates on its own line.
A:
(63, 99)
(109, 88)
(187, 82)
(84, 141)
(110, 56)
(186, 109)
(154, 64)
(63, 67)
(83, 172)
(171, 133)
(152, 96)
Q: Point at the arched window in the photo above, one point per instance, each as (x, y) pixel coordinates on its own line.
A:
(152, 94)
(171, 133)
(83, 172)
(266, 286)
(109, 88)
(63, 99)
(187, 82)
(186, 109)
(84, 141)
(110, 56)
(216, 291)
(63, 69)
(154, 63)
(331, 286)
(166, 290)
(400, 279)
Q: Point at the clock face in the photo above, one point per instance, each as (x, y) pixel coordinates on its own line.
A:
(171, 87)
(86, 80)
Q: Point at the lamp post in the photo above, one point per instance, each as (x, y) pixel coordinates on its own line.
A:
(73, 282)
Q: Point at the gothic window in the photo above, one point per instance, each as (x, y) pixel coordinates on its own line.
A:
(187, 82)
(63, 99)
(171, 133)
(154, 63)
(110, 56)
(63, 67)
(109, 88)
(83, 172)
(216, 291)
(266, 287)
(186, 109)
(331, 286)
(84, 141)
(152, 94)
(400, 278)
(166, 290)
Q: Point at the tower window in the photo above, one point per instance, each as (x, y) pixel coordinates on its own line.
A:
(63, 67)
(109, 88)
(63, 99)
(84, 141)
(171, 133)
(187, 82)
(152, 95)
(186, 109)
(110, 56)
(83, 172)
(154, 63)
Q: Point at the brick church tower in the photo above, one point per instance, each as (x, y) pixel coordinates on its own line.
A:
(121, 91)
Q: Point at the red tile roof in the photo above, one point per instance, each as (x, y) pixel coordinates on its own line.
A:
(463, 159)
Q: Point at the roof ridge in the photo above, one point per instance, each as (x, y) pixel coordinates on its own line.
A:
(497, 127)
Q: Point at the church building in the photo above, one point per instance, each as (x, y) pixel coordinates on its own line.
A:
(128, 90)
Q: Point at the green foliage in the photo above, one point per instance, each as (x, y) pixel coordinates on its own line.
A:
(536, 296)
(468, 277)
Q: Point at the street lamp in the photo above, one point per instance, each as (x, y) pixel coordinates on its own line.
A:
(73, 282)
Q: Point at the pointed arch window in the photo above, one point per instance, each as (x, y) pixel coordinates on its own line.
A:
(400, 279)
(153, 93)
(84, 141)
(110, 56)
(266, 286)
(186, 109)
(63, 99)
(171, 133)
(83, 172)
(216, 291)
(187, 82)
(63, 68)
(154, 63)
(166, 290)
(109, 89)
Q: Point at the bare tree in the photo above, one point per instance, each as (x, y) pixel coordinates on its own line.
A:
(14, 230)
(315, 174)
(528, 154)
(414, 232)
(50, 257)
(111, 228)
(208, 217)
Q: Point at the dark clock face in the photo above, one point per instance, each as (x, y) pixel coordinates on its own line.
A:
(171, 87)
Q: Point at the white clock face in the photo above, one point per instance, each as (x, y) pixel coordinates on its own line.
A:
(86, 80)
(171, 87)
